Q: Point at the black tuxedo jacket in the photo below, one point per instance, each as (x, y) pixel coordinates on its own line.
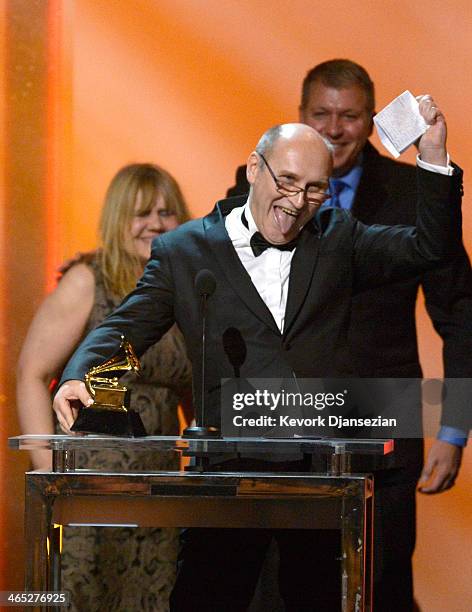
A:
(337, 257)
(382, 328)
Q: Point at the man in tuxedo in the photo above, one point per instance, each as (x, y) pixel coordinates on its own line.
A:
(285, 284)
(338, 101)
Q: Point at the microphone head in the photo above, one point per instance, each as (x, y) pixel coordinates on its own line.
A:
(205, 283)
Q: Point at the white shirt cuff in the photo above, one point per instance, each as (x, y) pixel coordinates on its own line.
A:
(447, 170)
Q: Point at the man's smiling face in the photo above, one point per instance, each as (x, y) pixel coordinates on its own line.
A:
(298, 157)
(343, 117)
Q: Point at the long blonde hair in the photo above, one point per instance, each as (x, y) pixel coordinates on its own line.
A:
(121, 265)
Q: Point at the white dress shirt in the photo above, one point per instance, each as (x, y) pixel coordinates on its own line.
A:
(269, 272)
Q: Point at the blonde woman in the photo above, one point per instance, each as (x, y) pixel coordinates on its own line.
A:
(108, 568)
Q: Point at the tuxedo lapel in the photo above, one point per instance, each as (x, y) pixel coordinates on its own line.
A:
(301, 273)
(234, 271)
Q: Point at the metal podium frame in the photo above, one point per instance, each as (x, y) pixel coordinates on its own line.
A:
(204, 497)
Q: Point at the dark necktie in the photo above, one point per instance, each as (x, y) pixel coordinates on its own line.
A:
(336, 187)
(259, 244)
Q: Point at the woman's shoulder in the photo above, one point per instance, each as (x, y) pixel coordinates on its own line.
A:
(80, 271)
(81, 260)
(81, 265)
(79, 278)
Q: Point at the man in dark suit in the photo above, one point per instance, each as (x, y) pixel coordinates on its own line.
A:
(254, 249)
(338, 101)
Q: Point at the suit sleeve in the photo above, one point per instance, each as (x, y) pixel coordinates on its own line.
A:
(384, 254)
(143, 318)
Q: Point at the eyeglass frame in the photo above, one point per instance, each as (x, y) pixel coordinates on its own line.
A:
(324, 195)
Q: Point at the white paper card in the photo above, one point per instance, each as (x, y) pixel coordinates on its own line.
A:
(400, 123)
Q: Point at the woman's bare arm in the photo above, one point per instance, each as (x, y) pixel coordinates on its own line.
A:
(54, 333)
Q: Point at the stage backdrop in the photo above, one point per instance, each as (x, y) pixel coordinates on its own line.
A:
(90, 85)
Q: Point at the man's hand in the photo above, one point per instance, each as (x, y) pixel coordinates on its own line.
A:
(70, 393)
(441, 467)
(432, 145)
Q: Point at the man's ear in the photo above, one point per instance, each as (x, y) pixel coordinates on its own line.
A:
(252, 167)
(372, 123)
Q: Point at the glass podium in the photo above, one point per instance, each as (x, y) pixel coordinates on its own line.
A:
(327, 494)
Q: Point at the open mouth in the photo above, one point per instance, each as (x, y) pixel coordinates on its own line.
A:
(285, 218)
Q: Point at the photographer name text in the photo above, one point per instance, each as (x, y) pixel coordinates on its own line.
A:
(318, 421)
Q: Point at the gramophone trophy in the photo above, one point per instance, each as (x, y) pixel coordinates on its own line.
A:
(110, 412)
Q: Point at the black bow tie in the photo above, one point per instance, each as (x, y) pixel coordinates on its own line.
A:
(259, 244)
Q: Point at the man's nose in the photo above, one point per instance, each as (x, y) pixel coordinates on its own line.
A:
(298, 199)
(334, 127)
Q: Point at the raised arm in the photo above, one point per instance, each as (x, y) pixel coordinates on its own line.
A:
(386, 253)
(53, 334)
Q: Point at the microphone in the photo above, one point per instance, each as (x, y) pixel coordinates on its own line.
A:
(205, 285)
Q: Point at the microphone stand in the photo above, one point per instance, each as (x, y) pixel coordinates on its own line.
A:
(205, 286)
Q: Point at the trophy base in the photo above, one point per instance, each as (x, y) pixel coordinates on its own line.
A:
(109, 422)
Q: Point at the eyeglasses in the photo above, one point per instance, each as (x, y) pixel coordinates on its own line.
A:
(313, 193)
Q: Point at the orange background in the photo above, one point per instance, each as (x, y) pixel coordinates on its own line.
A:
(90, 85)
